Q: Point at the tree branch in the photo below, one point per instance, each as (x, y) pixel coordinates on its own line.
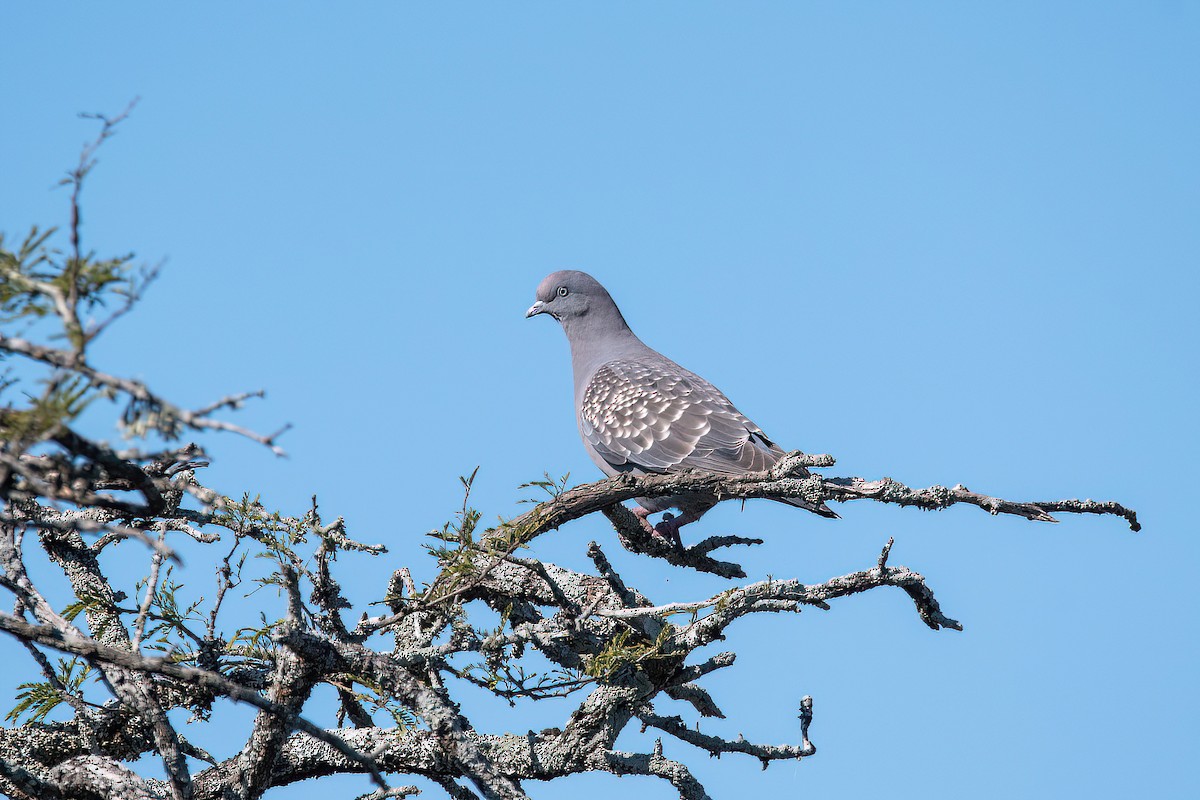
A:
(100, 653)
(715, 745)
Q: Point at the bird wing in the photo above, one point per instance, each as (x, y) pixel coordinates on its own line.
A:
(653, 414)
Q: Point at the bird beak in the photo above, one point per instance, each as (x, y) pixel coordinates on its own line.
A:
(534, 309)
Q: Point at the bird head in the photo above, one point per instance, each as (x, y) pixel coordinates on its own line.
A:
(568, 294)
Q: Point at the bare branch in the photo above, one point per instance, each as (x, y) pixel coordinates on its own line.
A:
(139, 625)
(774, 484)
(655, 764)
(790, 595)
(26, 782)
(715, 745)
(936, 498)
(94, 776)
(635, 539)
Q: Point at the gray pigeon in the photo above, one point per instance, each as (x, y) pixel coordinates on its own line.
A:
(641, 413)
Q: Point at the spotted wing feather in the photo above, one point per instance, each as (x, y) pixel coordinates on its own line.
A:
(652, 414)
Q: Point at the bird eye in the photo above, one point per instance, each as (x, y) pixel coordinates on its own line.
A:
(562, 291)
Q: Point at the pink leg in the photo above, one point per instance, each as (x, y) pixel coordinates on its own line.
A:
(643, 517)
(669, 527)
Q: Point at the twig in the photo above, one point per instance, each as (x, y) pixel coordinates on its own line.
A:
(139, 625)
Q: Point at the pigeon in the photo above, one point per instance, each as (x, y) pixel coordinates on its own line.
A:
(640, 413)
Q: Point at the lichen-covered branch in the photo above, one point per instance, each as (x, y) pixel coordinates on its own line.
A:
(779, 483)
(715, 745)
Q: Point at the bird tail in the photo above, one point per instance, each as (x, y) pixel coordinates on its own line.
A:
(821, 510)
(797, 472)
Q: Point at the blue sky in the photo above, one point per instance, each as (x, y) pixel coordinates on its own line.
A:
(947, 243)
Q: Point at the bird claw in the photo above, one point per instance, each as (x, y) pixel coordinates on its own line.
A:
(668, 531)
(665, 532)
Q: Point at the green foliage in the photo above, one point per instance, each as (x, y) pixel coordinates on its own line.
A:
(457, 552)
(62, 401)
(36, 700)
(21, 270)
(376, 699)
(92, 603)
(85, 603)
(249, 518)
(96, 281)
(619, 655)
(53, 290)
(551, 486)
(253, 645)
(40, 281)
(168, 631)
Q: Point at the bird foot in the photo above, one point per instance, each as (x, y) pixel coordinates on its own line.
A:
(668, 530)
